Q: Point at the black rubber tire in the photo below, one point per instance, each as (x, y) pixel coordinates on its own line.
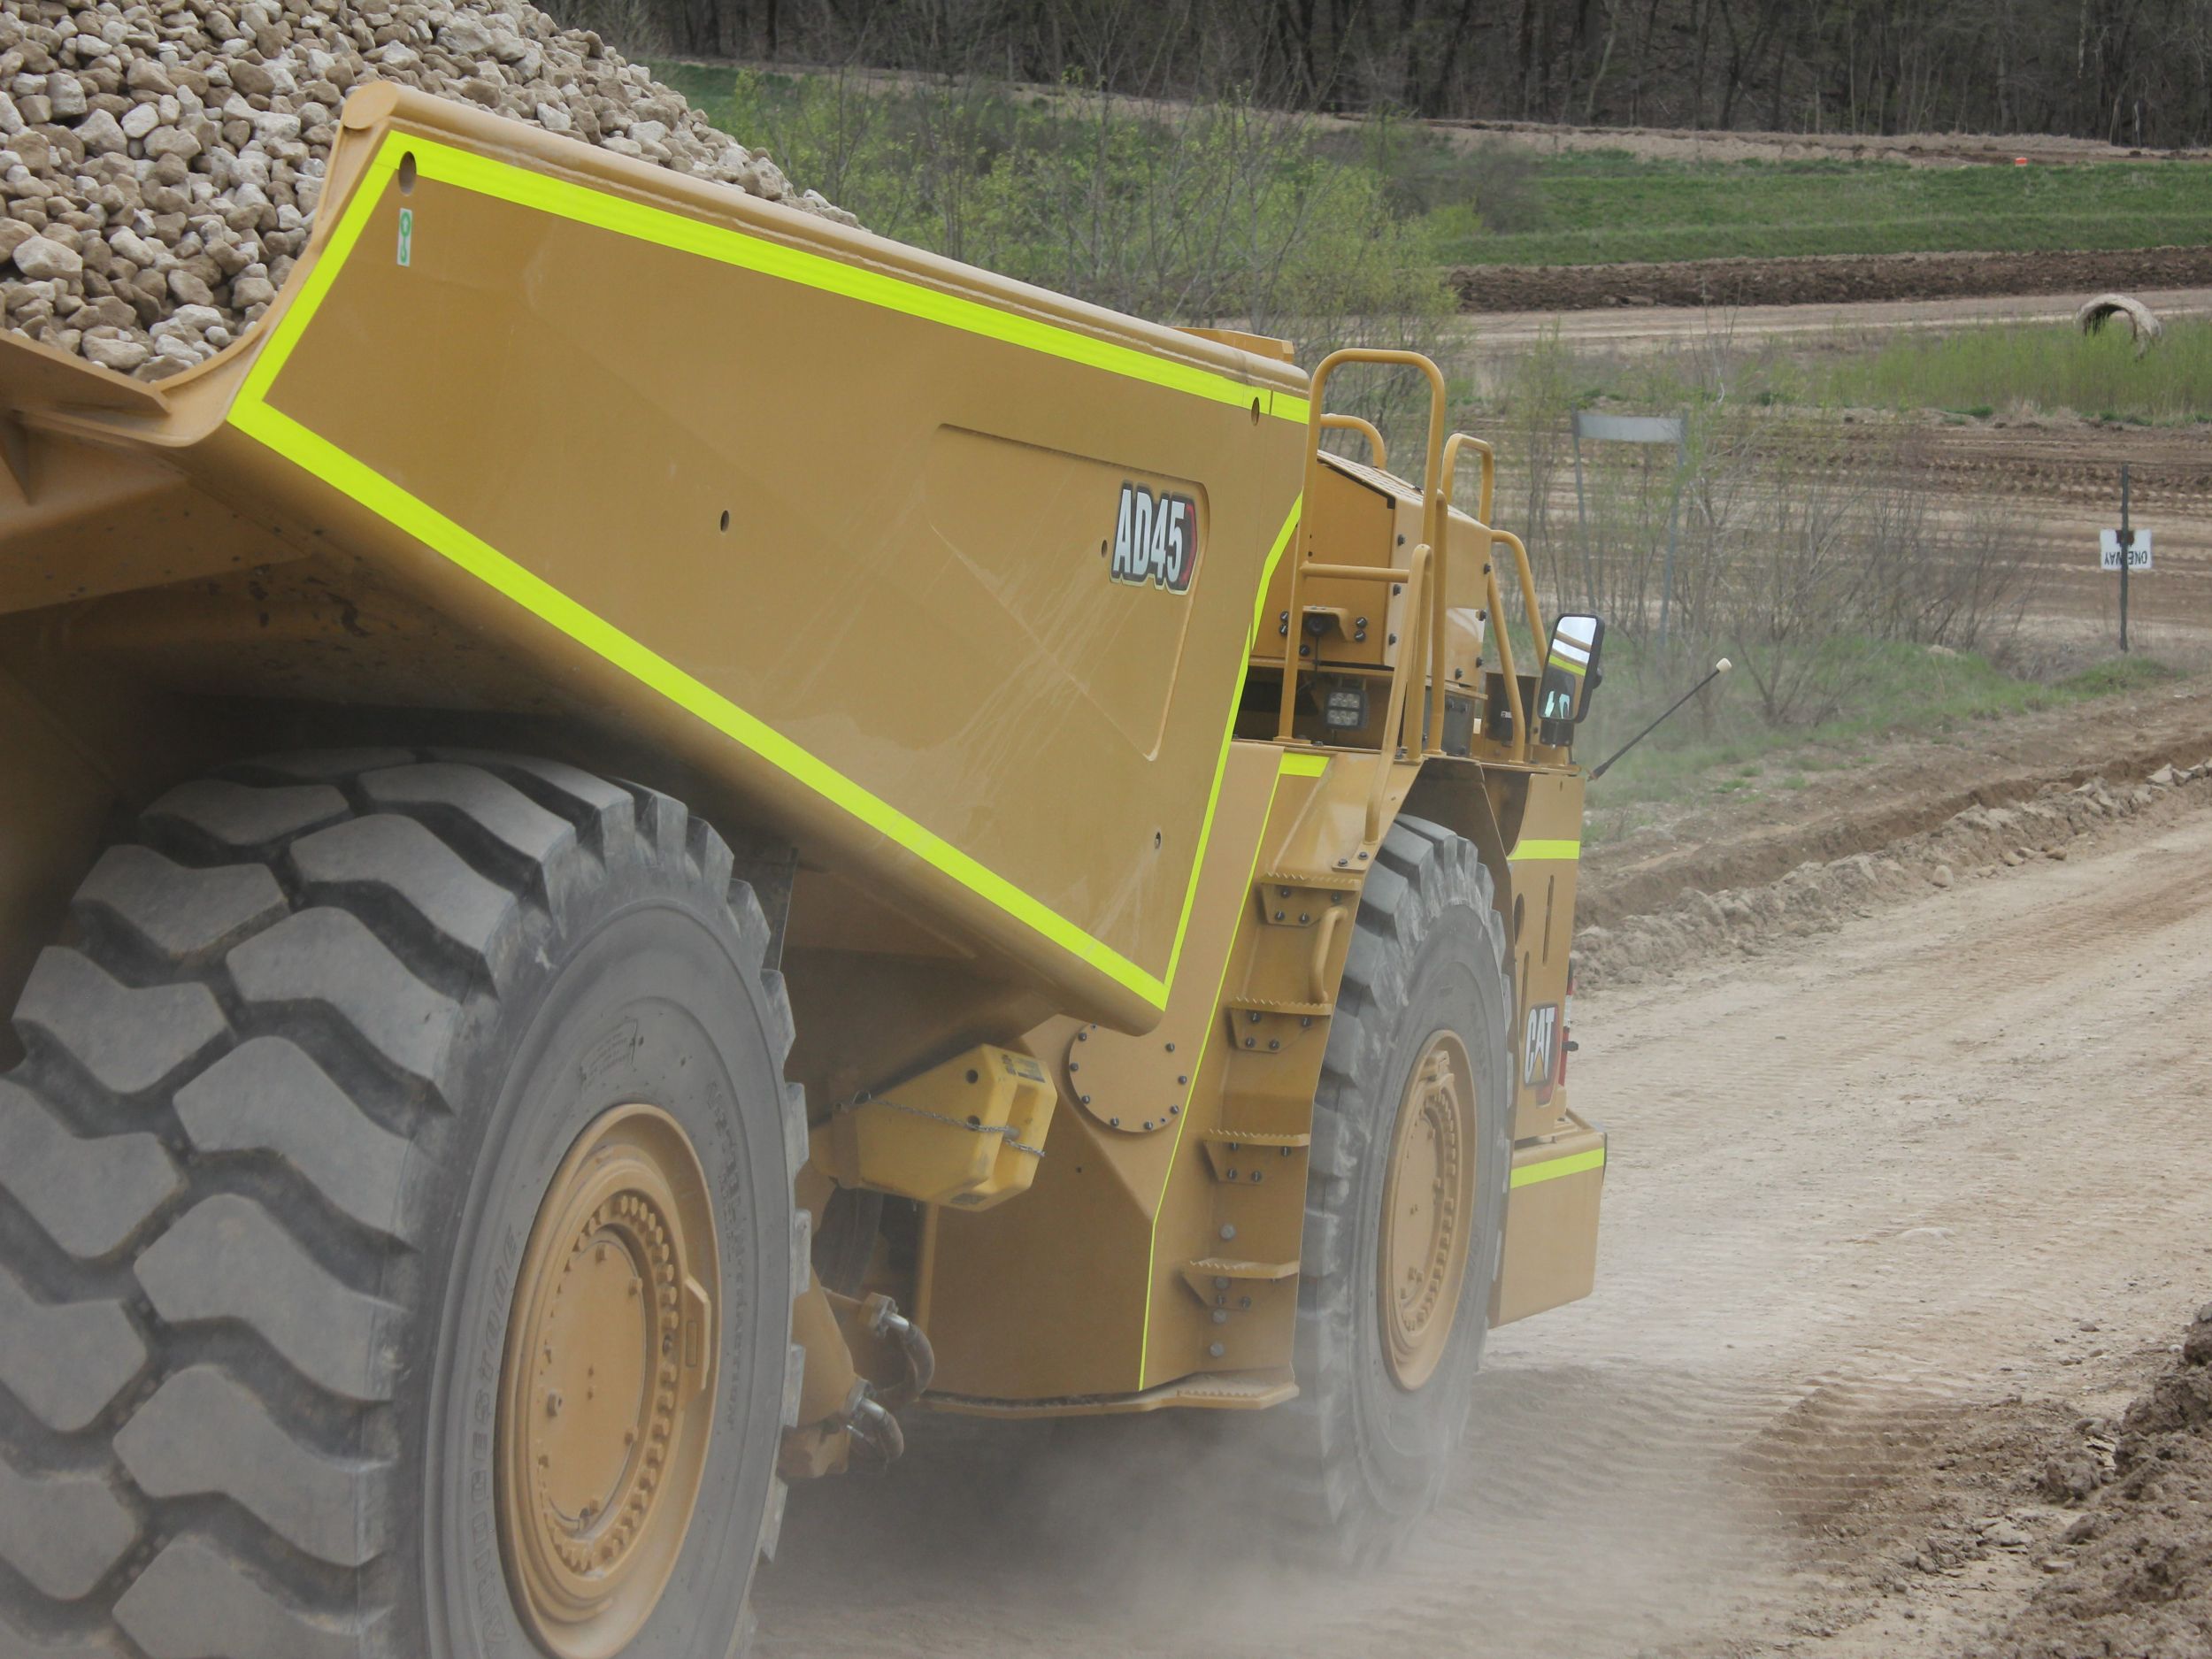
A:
(266, 1170)
(1369, 1459)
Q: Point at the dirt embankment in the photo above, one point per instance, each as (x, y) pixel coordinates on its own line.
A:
(1702, 926)
(1707, 143)
(2133, 1574)
(1910, 788)
(1828, 279)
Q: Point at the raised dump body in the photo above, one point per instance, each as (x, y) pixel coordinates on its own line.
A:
(817, 525)
(631, 759)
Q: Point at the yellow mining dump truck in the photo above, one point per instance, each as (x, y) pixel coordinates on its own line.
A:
(646, 832)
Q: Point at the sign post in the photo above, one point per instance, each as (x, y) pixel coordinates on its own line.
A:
(2125, 550)
(2127, 557)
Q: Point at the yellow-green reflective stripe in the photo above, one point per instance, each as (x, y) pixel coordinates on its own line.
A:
(1267, 577)
(1529, 851)
(585, 205)
(1304, 765)
(302, 310)
(252, 414)
(1552, 1169)
(427, 525)
(1221, 764)
(1576, 669)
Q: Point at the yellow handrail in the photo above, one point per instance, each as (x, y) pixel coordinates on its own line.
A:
(1432, 496)
(1459, 441)
(1378, 451)
(1420, 591)
(1463, 440)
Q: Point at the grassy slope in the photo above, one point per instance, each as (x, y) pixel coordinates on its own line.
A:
(1605, 207)
(1979, 369)
(1723, 748)
(2008, 368)
(1505, 205)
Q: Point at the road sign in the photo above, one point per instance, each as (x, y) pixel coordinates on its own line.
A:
(2109, 550)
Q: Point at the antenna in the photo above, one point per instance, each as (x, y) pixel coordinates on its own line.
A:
(1719, 668)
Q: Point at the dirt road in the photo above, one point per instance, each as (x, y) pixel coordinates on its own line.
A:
(1915, 149)
(1631, 329)
(1823, 279)
(1887, 1209)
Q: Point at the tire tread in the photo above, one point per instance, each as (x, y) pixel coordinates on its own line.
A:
(1421, 871)
(234, 1080)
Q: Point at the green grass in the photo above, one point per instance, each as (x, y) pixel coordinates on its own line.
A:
(1975, 370)
(1605, 207)
(1181, 214)
(1724, 748)
(1959, 375)
(906, 159)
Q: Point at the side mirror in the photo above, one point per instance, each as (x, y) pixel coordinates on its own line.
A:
(1570, 675)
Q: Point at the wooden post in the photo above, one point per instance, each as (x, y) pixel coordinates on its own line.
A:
(2127, 551)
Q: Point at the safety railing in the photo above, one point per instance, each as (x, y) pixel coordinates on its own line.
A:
(1413, 725)
(1378, 451)
(1455, 446)
(1420, 575)
(1401, 727)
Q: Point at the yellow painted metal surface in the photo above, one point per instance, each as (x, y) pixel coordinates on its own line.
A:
(946, 583)
(1077, 1256)
(970, 1133)
(1551, 1222)
(1545, 860)
(829, 523)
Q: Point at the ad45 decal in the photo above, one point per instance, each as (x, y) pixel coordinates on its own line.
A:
(1156, 540)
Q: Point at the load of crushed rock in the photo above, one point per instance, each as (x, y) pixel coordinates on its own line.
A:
(159, 162)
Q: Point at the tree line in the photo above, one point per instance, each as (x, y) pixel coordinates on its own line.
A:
(2129, 72)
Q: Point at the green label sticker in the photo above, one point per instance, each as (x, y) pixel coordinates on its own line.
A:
(406, 235)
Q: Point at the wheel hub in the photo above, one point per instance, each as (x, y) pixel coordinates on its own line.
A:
(1428, 1207)
(606, 1397)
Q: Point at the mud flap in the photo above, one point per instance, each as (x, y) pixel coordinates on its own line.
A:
(1551, 1222)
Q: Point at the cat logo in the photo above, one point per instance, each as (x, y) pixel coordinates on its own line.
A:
(1156, 540)
(1537, 1053)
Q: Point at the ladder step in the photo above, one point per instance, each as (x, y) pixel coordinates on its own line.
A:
(1222, 1267)
(1269, 1005)
(1295, 904)
(1235, 1288)
(1346, 881)
(1247, 1158)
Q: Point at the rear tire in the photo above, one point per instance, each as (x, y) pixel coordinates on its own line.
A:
(1371, 1437)
(292, 1096)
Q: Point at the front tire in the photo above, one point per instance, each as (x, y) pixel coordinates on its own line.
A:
(294, 1102)
(1413, 1117)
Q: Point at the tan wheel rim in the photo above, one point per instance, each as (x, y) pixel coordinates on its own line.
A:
(607, 1393)
(1428, 1210)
